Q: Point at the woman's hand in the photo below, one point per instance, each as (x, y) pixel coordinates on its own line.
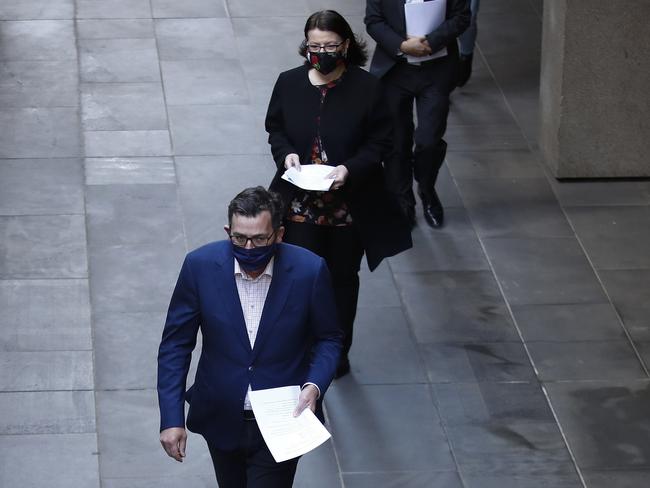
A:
(340, 175)
(292, 161)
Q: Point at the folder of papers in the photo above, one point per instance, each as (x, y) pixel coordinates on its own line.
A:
(423, 18)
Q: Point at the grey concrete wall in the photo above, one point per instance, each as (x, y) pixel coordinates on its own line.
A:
(594, 98)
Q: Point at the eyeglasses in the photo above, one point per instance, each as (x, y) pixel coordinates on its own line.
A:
(241, 240)
(329, 48)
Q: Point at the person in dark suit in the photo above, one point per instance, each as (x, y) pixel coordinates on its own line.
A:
(429, 83)
(330, 111)
(267, 316)
(466, 43)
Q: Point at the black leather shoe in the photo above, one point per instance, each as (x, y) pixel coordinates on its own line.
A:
(432, 209)
(343, 368)
(464, 69)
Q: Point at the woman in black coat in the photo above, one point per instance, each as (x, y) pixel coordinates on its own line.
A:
(330, 111)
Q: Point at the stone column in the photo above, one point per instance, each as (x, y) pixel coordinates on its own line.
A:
(595, 88)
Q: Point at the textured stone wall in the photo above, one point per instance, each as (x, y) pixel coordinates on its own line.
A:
(594, 90)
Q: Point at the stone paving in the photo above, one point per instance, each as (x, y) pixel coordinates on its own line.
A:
(509, 349)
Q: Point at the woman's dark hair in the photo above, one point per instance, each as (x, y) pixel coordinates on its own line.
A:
(332, 21)
(253, 201)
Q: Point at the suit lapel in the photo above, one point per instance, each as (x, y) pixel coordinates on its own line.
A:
(275, 300)
(229, 297)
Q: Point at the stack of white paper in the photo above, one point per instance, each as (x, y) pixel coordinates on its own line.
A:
(423, 18)
(286, 436)
(310, 177)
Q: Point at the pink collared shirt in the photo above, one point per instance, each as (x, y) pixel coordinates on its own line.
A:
(252, 295)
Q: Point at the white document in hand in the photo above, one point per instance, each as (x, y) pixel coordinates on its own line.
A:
(423, 18)
(310, 177)
(286, 436)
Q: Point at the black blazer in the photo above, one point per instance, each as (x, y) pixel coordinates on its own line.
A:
(386, 24)
(356, 130)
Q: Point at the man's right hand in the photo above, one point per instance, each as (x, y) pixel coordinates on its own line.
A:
(415, 46)
(173, 441)
(292, 161)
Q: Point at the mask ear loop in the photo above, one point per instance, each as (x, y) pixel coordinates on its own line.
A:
(303, 48)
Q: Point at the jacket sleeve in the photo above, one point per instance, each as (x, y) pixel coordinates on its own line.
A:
(328, 338)
(377, 140)
(175, 351)
(457, 21)
(274, 124)
(377, 27)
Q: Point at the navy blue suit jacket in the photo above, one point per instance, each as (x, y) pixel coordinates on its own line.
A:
(298, 339)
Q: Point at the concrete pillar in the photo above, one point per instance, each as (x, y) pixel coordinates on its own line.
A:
(595, 88)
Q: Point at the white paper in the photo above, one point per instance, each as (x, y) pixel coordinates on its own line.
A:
(310, 177)
(286, 436)
(423, 18)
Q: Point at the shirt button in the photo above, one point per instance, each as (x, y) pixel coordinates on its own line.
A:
(250, 368)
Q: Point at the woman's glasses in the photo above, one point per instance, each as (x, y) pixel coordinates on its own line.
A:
(329, 48)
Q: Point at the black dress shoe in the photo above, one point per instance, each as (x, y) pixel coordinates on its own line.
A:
(343, 368)
(432, 209)
(464, 69)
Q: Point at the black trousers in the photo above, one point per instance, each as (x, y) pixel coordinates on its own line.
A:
(342, 250)
(252, 465)
(429, 85)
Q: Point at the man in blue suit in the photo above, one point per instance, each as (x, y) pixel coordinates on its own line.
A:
(267, 316)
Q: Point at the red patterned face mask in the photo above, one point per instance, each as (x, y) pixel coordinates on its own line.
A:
(325, 62)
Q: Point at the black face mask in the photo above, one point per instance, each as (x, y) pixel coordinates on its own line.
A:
(325, 62)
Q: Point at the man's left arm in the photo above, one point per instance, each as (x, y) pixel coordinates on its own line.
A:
(328, 338)
(457, 21)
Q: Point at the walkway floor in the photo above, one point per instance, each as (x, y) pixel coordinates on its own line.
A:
(509, 349)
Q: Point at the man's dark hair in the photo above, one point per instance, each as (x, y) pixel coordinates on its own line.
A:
(332, 21)
(255, 200)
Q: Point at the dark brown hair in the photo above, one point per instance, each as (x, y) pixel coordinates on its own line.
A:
(253, 201)
(332, 21)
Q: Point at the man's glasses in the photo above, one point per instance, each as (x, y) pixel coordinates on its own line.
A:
(241, 240)
(329, 48)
